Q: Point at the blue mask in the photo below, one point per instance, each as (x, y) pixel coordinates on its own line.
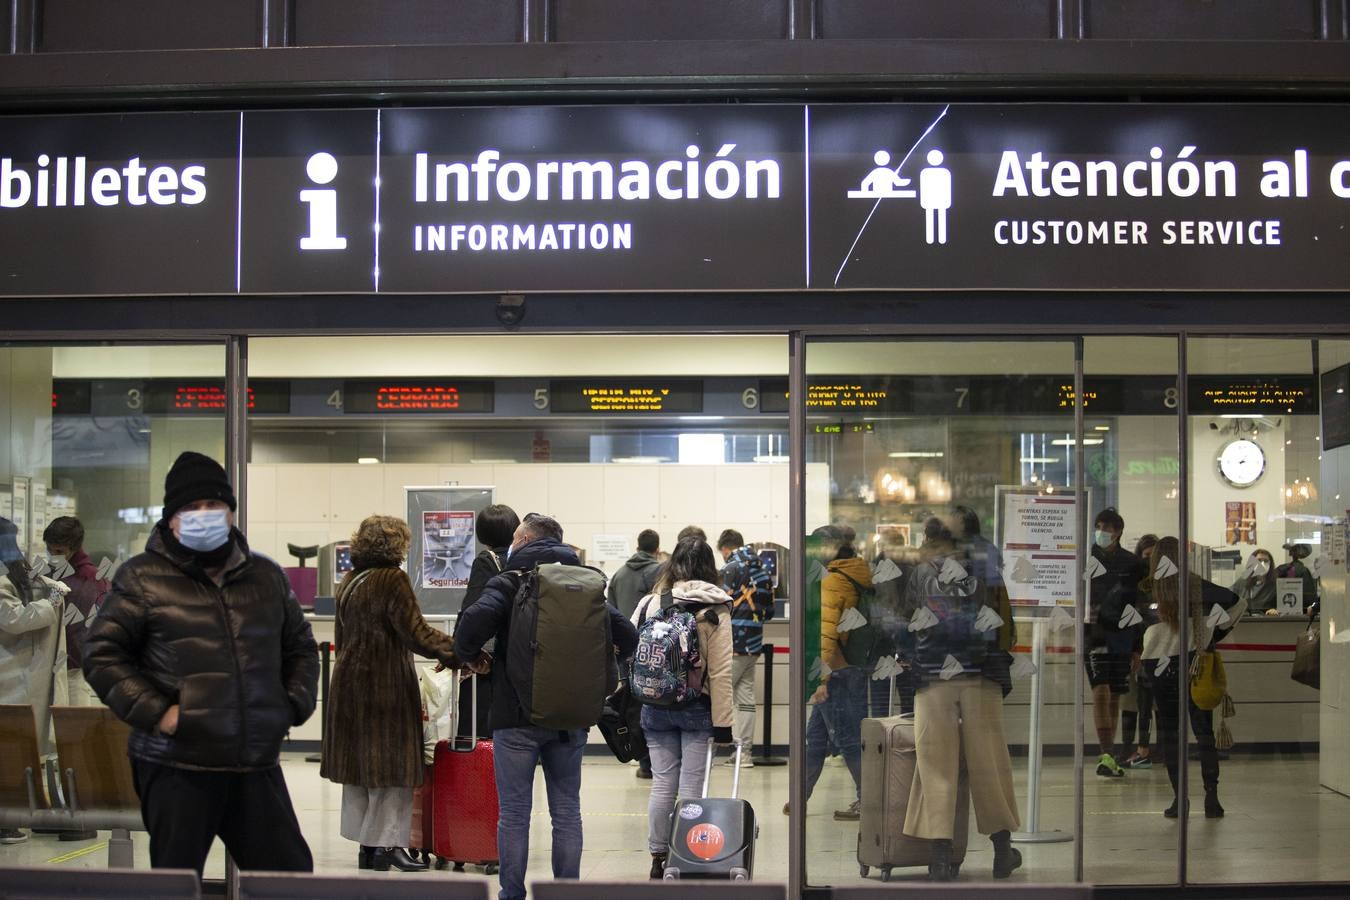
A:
(203, 530)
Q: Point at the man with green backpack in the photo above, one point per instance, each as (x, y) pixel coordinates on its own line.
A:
(555, 665)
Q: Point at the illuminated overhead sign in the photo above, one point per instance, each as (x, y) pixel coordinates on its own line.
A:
(671, 198)
(1253, 395)
(619, 396)
(417, 396)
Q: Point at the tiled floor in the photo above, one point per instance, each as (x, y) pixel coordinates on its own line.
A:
(1280, 826)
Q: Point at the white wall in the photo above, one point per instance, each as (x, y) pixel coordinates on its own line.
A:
(304, 504)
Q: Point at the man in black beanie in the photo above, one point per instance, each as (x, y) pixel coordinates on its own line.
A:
(202, 649)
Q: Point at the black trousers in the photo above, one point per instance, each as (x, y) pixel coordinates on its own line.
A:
(185, 811)
(1164, 689)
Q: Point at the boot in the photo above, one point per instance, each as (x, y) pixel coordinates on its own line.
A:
(385, 857)
(658, 866)
(940, 861)
(364, 856)
(1171, 811)
(1212, 808)
(1006, 856)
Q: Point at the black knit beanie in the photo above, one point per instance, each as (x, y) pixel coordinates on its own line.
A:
(195, 477)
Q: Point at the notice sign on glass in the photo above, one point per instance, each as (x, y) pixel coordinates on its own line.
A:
(1036, 537)
(609, 396)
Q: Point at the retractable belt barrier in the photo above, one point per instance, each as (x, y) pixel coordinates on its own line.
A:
(325, 661)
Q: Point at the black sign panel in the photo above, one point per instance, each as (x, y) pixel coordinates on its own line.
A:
(71, 398)
(1252, 395)
(309, 202)
(1079, 196)
(135, 204)
(592, 198)
(610, 396)
(678, 198)
(955, 395)
(417, 396)
(1336, 408)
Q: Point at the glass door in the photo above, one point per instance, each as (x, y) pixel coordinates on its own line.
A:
(945, 509)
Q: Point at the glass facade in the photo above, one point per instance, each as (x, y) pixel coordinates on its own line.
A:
(993, 540)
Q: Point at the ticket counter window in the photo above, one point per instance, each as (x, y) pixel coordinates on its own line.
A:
(611, 436)
(87, 435)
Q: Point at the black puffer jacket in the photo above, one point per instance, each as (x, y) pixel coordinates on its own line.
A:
(239, 660)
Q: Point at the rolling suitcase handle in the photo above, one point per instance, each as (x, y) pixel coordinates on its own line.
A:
(736, 772)
(473, 714)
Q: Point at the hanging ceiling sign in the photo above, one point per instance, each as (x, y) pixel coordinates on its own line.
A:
(914, 197)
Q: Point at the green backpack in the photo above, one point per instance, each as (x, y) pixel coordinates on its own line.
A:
(560, 656)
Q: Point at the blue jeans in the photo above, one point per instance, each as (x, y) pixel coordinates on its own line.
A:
(515, 753)
(838, 721)
(678, 742)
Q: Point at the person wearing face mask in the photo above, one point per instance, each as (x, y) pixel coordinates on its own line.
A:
(1113, 632)
(64, 537)
(201, 647)
(1256, 582)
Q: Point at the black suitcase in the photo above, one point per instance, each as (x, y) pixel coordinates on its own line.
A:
(713, 837)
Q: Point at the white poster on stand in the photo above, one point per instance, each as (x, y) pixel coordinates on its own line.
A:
(1037, 540)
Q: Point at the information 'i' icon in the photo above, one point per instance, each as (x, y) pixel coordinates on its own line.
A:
(322, 168)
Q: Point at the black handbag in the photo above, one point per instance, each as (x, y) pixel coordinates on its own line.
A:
(1308, 656)
(620, 725)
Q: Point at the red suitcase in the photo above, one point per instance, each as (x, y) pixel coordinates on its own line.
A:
(464, 802)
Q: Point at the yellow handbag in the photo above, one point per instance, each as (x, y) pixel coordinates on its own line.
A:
(1209, 681)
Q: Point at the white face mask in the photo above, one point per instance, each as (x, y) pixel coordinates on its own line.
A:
(1260, 568)
(1104, 539)
(203, 530)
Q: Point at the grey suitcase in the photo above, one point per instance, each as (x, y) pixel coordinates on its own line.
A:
(889, 771)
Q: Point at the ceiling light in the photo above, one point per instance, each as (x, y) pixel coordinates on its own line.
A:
(1102, 427)
(1242, 416)
(369, 460)
(1042, 459)
(1069, 442)
(916, 454)
(772, 458)
(491, 462)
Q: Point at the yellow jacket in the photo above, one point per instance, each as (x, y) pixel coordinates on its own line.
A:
(836, 596)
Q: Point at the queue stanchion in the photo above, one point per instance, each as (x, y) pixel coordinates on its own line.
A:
(1033, 833)
(325, 655)
(763, 757)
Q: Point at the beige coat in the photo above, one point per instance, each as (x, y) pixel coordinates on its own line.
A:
(714, 641)
(33, 653)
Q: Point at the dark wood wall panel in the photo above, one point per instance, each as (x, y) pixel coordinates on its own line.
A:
(1203, 19)
(899, 19)
(407, 22)
(146, 24)
(668, 20)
